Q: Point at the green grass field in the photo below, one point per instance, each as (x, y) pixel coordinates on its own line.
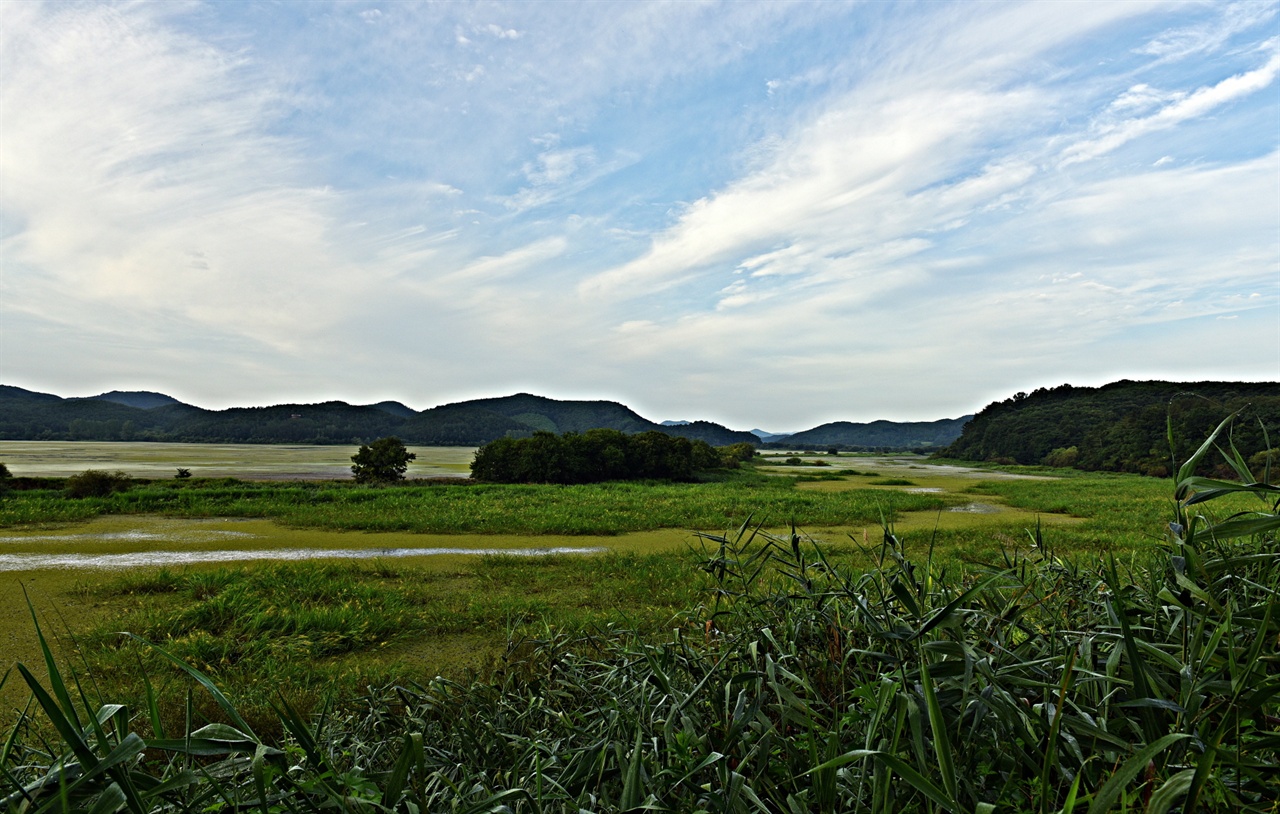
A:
(869, 661)
(1097, 658)
(965, 516)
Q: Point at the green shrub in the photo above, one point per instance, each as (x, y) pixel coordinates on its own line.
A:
(738, 453)
(1062, 457)
(96, 483)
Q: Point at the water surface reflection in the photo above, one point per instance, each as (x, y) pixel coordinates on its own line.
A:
(26, 562)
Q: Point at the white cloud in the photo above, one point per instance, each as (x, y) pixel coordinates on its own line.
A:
(1212, 34)
(1180, 108)
(556, 174)
(489, 270)
(882, 208)
(128, 149)
(860, 175)
(501, 33)
(556, 166)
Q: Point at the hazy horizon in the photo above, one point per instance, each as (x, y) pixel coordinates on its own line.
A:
(767, 215)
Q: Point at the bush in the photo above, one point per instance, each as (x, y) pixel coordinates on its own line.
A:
(1265, 463)
(383, 461)
(734, 455)
(96, 483)
(1062, 457)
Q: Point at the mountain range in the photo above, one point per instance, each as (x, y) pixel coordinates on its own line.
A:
(147, 416)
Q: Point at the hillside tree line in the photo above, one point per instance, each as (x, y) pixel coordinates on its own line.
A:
(1122, 427)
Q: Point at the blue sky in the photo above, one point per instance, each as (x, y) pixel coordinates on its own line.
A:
(764, 214)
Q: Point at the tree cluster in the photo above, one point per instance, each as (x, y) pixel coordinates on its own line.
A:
(600, 455)
(1122, 427)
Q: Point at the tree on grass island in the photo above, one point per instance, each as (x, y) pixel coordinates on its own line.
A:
(383, 461)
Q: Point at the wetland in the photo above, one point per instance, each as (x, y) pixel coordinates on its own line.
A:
(457, 606)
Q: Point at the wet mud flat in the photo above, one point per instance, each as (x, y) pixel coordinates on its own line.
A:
(272, 462)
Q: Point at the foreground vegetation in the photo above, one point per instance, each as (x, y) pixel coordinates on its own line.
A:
(797, 683)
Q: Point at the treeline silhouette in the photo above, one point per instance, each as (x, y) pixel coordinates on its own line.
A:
(601, 455)
(30, 416)
(1121, 427)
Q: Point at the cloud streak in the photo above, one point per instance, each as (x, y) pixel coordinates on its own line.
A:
(859, 211)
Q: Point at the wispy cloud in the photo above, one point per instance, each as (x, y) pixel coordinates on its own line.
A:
(1172, 109)
(142, 170)
(864, 207)
(1210, 34)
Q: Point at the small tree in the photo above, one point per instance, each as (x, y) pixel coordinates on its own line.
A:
(383, 461)
(5, 477)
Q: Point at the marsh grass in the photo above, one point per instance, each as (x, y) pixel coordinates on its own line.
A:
(608, 508)
(791, 682)
(797, 685)
(331, 630)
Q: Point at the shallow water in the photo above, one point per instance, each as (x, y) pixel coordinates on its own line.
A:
(133, 536)
(133, 541)
(976, 508)
(245, 461)
(28, 562)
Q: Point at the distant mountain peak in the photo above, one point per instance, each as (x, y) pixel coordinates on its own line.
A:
(395, 408)
(142, 399)
(675, 423)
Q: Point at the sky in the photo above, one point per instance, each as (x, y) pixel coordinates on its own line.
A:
(765, 214)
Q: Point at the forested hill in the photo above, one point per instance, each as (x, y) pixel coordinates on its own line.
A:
(134, 416)
(1119, 427)
(880, 434)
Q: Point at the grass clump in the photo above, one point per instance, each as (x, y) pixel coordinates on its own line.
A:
(96, 483)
